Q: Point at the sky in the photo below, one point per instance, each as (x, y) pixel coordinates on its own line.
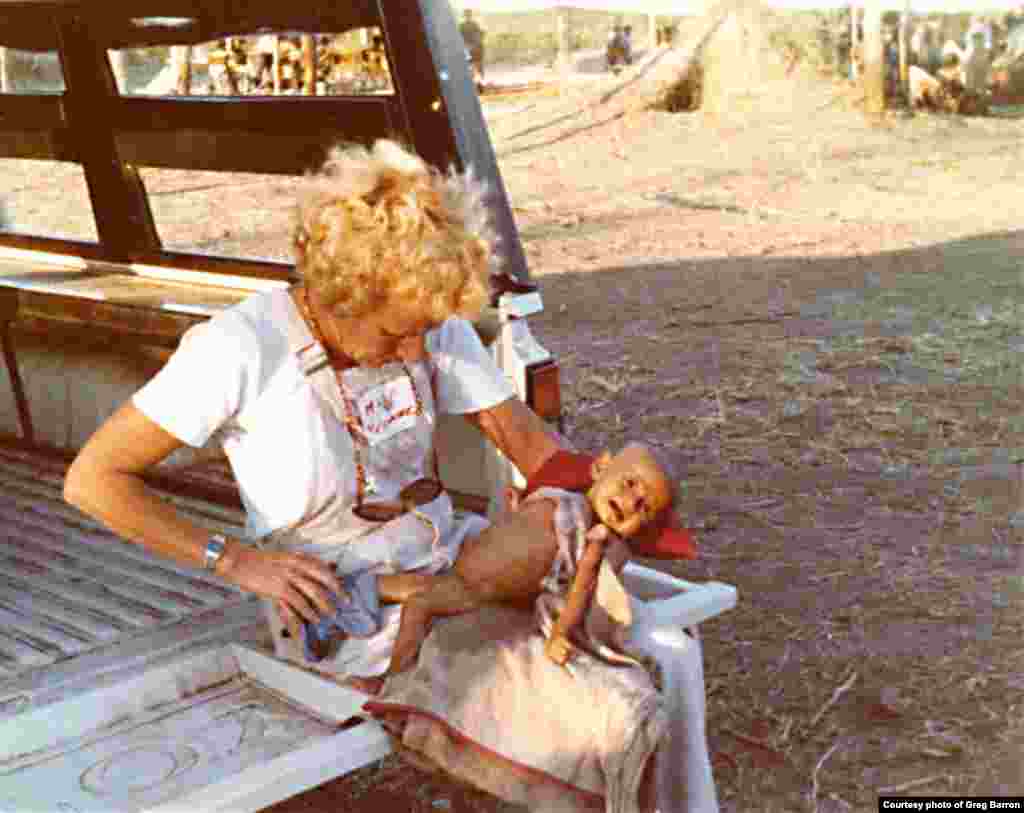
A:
(693, 6)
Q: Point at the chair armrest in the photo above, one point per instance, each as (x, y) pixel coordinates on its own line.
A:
(676, 602)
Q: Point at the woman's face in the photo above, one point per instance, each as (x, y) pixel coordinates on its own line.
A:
(394, 333)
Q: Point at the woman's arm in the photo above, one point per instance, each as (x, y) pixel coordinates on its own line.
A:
(518, 432)
(105, 481)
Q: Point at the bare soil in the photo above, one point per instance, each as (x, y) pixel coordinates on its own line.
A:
(824, 316)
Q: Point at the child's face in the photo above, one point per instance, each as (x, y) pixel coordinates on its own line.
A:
(629, 490)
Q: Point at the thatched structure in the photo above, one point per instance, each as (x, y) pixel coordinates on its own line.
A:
(748, 58)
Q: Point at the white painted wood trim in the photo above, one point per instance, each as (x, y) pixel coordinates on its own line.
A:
(182, 275)
(260, 786)
(45, 257)
(328, 699)
(131, 654)
(32, 735)
(206, 278)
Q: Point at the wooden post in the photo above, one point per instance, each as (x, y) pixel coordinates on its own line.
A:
(904, 34)
(309, 64)
(855, 42)
(564, 29)
(277, 65)
(182, 54)
(874, 57)
(4, 81)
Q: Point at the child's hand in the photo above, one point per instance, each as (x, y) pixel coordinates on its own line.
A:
(600, 533)
(513, 497)
(559, 649)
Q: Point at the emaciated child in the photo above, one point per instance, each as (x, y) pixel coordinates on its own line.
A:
(548, 543)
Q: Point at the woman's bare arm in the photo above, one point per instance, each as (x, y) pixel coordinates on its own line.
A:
(105, 481)
(518, 432)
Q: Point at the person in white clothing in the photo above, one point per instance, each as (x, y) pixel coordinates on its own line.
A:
(325, 397)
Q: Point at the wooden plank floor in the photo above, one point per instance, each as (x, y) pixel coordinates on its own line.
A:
(68, 586)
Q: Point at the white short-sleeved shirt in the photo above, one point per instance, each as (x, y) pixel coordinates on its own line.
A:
(235, 376)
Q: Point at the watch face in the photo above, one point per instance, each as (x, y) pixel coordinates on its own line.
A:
(214, 550)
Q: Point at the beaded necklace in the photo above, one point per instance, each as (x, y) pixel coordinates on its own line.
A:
(352, 422)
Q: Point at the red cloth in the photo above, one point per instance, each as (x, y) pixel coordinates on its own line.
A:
(571, 471)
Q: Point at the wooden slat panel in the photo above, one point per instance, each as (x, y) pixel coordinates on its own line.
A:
(47, 314)
(26, 649)
(125, 604)
(51, 245)
(98, 625)
(282, 136)
(43, 492)
(206, 492)
(238, 152)
(63, 636)
(48, 542)
(35, 112)
(29, 543)
(28, 24)
(69, 586)
(36, 145)
(282, 116)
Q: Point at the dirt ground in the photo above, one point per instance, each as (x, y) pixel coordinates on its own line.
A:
(824, 316)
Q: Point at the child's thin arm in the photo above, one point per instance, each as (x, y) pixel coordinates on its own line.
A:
(580, 592)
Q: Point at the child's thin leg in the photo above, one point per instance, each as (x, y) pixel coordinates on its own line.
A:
(448, 595)
(398, 588)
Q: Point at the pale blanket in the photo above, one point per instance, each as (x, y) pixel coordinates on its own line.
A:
(485, 704)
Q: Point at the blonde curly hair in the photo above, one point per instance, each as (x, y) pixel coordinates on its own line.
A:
(379, 226)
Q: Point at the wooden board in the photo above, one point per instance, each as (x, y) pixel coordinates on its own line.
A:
(225, 728)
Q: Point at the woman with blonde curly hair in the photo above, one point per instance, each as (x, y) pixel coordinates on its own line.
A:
(324, 397)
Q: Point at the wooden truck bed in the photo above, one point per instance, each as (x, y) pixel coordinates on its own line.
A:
(128, 683)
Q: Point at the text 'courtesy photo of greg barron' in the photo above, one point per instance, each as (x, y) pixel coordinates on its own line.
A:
(927, 803)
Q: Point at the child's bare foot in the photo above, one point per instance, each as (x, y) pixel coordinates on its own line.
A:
(367, 685)
(320, 648)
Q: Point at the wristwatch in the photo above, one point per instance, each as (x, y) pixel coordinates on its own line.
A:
(215, 548)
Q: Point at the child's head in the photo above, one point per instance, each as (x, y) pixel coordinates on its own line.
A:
(631, 489)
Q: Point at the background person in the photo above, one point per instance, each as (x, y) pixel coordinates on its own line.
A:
(473, 35)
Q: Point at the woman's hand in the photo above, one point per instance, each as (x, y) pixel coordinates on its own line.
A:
(299, 584)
